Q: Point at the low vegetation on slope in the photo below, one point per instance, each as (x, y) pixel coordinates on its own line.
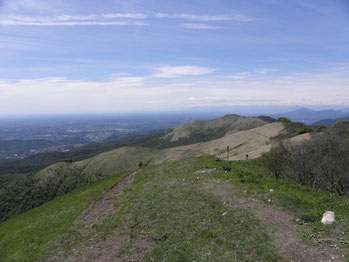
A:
(206, 130)
(56, 180)
(184, 211)
(321, 162)
(28, 236)
(36, 189)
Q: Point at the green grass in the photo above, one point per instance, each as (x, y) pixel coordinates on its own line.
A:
(169, 215)
(28, 236)
(168, 208)
(304, 203)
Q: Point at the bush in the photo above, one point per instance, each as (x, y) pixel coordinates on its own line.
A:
(304, 130)
(320, 128)
(322, 162)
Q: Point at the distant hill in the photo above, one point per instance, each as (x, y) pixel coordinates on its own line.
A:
(194, 132)
(309, 116)
(330, 122)
(205, 130)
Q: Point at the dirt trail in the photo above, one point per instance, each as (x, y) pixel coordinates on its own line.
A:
(93, 249)
(105, 250)
(104, 206)
(281, 227)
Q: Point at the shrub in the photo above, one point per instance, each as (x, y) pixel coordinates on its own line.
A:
(322, 162)
(304, 130)
(320, 128)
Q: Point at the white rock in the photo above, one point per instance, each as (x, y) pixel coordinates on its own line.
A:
(328, 218)
(225, 213)
(271, 190)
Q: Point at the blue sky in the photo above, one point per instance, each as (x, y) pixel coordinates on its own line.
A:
(121, 56)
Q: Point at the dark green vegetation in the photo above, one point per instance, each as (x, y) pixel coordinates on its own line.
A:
(292, 128)
(38, 188)
(322, 162)
(18, 146)
(300, 200)
(28, 236)
(170, 213)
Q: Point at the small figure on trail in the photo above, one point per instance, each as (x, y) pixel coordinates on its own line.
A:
(140, 164)
(246, 157)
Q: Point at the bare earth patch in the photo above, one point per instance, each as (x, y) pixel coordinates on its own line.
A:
(281, 227)
(104, 250)
(205, 171)
(104, 206)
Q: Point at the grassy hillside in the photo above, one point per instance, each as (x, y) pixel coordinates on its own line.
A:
(186, 211)
(40, 161)
(36, 189)
(200, 131)
(206, 130)
(252, 142)
(56, 180)
(28, 236)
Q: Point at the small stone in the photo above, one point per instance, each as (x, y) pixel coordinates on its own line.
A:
(298, 220)
(225, 213)
(271, 190)
(269, 200)
(245, 192)
(328, 218)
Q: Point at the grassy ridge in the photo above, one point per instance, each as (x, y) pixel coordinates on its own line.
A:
(169, 215)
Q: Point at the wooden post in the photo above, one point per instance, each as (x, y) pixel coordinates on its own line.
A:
(228, 151)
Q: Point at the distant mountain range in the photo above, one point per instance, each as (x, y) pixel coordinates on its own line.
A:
(311, 117)
(330, 122)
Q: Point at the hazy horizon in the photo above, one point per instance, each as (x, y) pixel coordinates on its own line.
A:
(78, 57)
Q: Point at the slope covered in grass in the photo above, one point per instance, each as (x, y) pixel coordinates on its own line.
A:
(61, 178)
(185, 211)
(56, 180)
(28, 236)
(206, 130)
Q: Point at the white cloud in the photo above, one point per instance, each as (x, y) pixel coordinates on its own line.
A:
(129, 81)
(201, 27)
(73, 20)
(240, 76)
(71, 23)
(264, 71)
(239, 18)
(119, 74)
(132, 93)
(177, 71)
(127, 15)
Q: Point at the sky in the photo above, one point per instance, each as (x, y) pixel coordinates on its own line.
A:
(87, 56)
